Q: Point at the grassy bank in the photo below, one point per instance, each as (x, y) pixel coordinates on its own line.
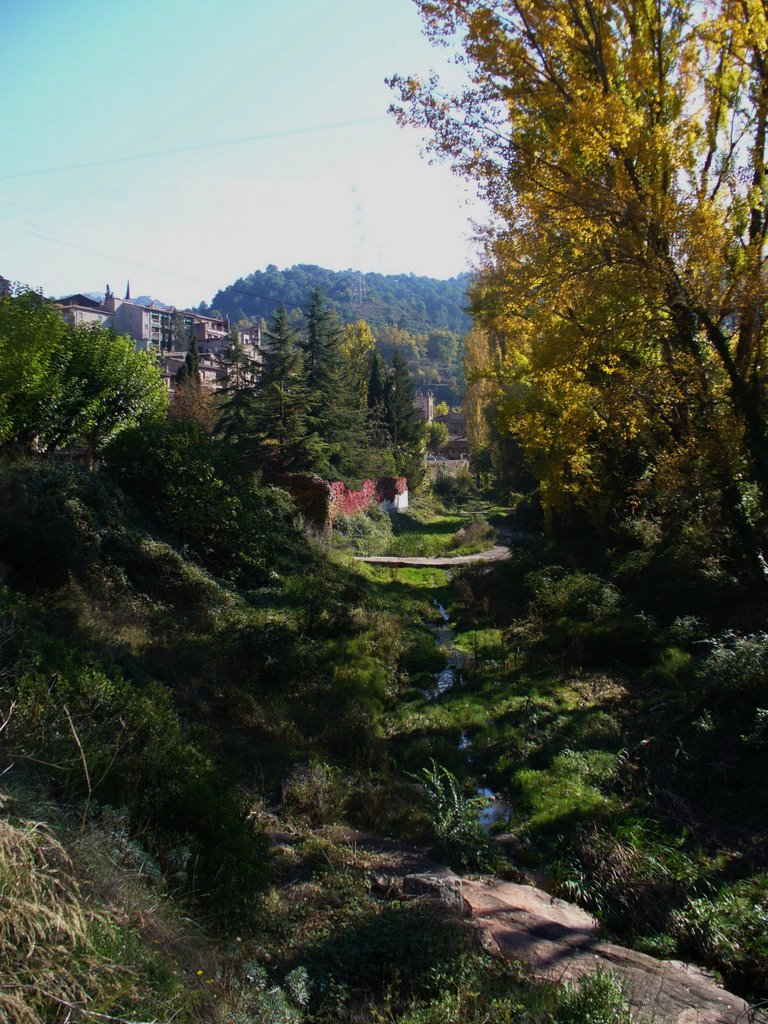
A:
(628, 750)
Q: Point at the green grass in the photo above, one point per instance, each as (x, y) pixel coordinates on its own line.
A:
(430, 531)
(568, 791)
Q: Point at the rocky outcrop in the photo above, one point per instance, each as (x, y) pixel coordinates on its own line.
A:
(561, 941)
(558, 940)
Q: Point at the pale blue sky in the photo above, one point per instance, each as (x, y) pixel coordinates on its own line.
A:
(84, 82)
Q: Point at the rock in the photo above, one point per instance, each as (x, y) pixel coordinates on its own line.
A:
(561, 942)
(557, 939)
(445, 889)
(508, 844)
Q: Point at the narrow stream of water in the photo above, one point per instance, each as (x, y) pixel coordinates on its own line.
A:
(496, 810)
(451, 675)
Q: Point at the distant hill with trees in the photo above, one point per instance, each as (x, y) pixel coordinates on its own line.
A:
(418, 304)
(423, 317)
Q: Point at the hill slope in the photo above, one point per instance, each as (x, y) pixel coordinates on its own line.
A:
(420, 304)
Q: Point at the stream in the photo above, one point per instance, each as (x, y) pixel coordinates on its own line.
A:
(496, 809)
(449, 676)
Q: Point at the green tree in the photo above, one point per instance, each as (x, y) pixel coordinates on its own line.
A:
(283, 434)
(437, 437)
(403, 421)
(190, 368)
(236, 395)
(334, 408)
(30, 333)
(180, 332)
(442, 347)
(63, 385)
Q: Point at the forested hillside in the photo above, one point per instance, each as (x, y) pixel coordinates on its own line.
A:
(417, 304)
(422, 317)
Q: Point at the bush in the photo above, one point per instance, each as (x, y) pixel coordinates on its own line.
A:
(737, 663)
(202, 495)
(629, 873)
(61, 947)
(729, 931)
(585, 618)
(477, 533)
(454, 489)
(56, 521)
(364, 533)
(598, 999)
(317, 791)
(106, 739)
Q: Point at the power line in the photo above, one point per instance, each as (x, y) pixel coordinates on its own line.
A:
(195, 147)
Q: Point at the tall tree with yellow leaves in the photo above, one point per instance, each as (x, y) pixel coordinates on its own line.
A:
(621, 145)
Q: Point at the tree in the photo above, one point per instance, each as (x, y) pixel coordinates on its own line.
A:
(190, 368)
(192, 403)
(283, 434)
(442, 346)
(235, 405)
(437, 437)
(622, 148)
(181, 334)
(403, 418)
(403, 421)
(357, 344)
(63, 385)
(30, 333)
(334, 408)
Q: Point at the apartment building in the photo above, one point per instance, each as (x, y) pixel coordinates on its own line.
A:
(155, 328)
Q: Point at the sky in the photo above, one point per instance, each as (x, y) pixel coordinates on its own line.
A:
(182, 144)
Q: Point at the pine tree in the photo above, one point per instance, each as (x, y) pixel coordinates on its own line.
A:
(190, 368)
(402, 417)
(284, 438)
(377, 417)
(236, 403)
(333, 405)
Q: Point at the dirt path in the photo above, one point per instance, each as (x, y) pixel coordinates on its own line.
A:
(496, 554)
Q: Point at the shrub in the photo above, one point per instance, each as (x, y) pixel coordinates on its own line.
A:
(737, 663)
(454, 489)
(629, 873)
(61, 949)
(455, 819)
(56, 521)
(598, 999)
(478, 532)
(201, 495)
(316, 791)
(364, 533)
(586, 619)
(104, 738)
(730, 931)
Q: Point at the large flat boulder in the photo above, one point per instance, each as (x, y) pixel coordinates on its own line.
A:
(560, 942)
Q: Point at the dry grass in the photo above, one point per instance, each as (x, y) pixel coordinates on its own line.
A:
(80, 928)
(45, 930)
